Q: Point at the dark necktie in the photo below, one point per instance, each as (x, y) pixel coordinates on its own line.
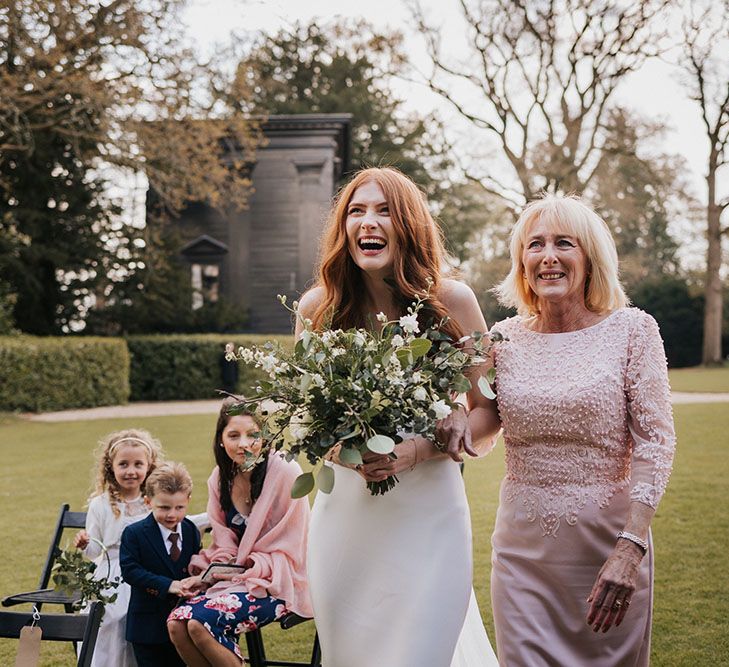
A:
(174, 549)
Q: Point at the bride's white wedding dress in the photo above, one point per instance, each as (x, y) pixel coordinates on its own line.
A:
(391, 576)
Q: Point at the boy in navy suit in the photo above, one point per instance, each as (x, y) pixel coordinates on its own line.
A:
(154, 556)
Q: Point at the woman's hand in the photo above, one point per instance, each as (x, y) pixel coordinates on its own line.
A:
(191, 586)
(455, 433)
(378, 467)
(611, 594)
(81, 539)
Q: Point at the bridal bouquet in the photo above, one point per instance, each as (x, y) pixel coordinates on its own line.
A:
(358, 388)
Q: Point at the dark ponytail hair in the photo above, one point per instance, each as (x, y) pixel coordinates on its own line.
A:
(228, 469)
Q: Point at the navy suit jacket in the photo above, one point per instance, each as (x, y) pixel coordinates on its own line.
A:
(148, 569)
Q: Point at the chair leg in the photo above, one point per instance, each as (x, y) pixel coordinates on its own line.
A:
(256, 652)
(316, 652)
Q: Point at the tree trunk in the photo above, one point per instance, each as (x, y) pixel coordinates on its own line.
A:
(711, 355)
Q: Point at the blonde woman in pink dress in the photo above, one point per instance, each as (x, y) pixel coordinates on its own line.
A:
(583, 395)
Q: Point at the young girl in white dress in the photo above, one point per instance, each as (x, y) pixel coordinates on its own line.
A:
(125, 459)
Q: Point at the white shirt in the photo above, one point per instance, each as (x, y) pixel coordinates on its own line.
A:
(166, 532)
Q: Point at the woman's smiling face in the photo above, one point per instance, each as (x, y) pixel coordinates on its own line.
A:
(370, 234)
(555, 264)
(241, 435)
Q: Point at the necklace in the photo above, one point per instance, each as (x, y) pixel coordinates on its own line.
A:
(241, 488)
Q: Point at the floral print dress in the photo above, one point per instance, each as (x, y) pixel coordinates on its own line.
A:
(228, 615)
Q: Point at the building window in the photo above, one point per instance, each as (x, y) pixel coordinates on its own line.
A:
(205, 284)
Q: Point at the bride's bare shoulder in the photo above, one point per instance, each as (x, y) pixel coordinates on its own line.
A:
(311, 300)
(456, 295)
(462, 305)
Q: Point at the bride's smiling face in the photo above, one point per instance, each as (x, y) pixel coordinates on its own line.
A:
(370, 234)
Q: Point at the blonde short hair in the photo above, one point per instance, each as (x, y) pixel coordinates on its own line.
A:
(170, 478)
(569, 215)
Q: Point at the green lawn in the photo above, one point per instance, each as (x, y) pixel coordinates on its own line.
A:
(700, 379)
(47, 464)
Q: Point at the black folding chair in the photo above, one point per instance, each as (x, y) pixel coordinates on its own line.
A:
(58, 628)
(257, 653)
(43, 595)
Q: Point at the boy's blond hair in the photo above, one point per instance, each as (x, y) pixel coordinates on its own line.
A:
(169, 477)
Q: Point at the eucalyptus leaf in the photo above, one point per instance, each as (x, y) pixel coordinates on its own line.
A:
(355, 431)
(380, 444)
(350, 455)
(302, 485)
(485, 388)
(491, 374)
(404, 356)
(461, 384)
(420, 347)
(325, 479)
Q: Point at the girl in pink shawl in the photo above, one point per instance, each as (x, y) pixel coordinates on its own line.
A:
(257, 524)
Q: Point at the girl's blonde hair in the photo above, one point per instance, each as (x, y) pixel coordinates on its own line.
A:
(569, 215)
(104, 481)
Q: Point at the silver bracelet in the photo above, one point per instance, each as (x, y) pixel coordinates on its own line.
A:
(635, 540)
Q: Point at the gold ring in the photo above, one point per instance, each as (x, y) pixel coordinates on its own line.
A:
(617, 604)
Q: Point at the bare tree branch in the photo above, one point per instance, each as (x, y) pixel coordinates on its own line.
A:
(545, 74)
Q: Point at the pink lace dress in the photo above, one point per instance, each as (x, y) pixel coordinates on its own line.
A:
(588, 429)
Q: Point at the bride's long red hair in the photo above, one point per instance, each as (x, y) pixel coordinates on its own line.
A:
(419, 255)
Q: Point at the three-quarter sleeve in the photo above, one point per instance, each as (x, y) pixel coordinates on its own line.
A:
(650, 418)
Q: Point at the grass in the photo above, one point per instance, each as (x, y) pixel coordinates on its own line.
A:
(47, 464)
(700, 379)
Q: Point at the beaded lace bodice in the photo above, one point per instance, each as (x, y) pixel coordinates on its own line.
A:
(585, 414)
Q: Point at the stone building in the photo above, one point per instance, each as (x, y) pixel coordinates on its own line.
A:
(248, 257)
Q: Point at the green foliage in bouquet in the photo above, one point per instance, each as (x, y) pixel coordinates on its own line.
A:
(74, 575)
(363, 389)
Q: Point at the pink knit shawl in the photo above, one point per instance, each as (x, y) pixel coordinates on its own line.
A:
(274, 540)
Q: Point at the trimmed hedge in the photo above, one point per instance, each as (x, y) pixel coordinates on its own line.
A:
(188, 366)
(42, 374)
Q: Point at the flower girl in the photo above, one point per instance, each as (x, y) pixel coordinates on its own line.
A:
(125, 459)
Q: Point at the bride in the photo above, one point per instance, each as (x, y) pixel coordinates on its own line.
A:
(391, 576)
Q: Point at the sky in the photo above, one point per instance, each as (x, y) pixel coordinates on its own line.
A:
(654, 91)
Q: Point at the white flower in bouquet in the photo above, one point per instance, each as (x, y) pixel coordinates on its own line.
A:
(299, 425)
(409, 323)
(397, 341)
(420, 394)
(359, 339)
(269, 363)
(441, 409)
(329, 337)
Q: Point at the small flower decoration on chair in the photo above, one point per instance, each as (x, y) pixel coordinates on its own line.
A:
(361, 389)
(74, 574)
